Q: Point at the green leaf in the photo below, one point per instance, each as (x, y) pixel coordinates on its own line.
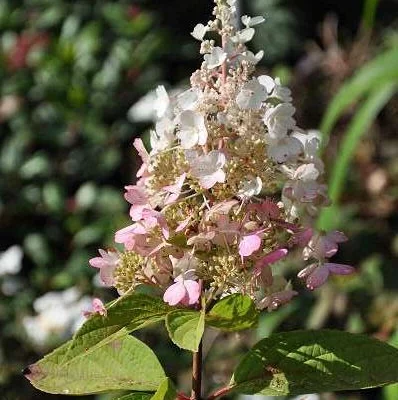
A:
(186, 328)
(122, 364)
(369, 13)
(299, 362)
(128, 313)
(233, 313)
(380, 70)
(357, 128)
(136, 396)
(390, 392)
(166, 391)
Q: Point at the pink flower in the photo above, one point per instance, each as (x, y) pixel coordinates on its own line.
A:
(183, 291)
(173, 191)
(275, 300)
(270, 258)
(324, 246)
(98, 307)
(249, 244)
(267, 209)
(136, 196)
(106, 264)
(139, 145)
(316, 275)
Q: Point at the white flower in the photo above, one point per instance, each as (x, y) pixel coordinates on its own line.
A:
(267, 81)
(306, 172)
(199, 31)
(185, 266)
(285, 149)
(162, 102)
(188, 100)
(142, 110)
(311, 142)
(251, 21)
(282, 92)
(207, 168)
(215, 58)
(59, 314)
(279, 120)
(251, 95)
(251, 187)
(163, 136)
(11, 260)
(243, 36)
(192, 129)
(251, 57)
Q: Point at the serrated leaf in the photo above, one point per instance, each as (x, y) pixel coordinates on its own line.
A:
(233, 313)
(166, 391)
(136, 396)
(126, 314)
(186, 328)
(122, 364)
(299, 362)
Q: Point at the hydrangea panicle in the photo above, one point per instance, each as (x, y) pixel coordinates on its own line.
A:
(230, 187)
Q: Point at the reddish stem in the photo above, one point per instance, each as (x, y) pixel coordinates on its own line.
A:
(220, 392)
(197, 374)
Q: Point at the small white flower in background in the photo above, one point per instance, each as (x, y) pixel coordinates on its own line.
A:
(208, 168)
(279, 120)
(142, 110)
(11, 260)
(252, 95)
(162, 102)
(252, 21)
(199, 31)
(192, 129)
(59, 315)
(215, 58)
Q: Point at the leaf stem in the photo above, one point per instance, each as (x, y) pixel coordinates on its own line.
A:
(219, 392)
(197, 373)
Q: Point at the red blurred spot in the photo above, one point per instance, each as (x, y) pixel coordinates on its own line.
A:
(17, 57)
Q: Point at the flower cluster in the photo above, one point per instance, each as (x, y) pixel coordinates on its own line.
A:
(231, 185)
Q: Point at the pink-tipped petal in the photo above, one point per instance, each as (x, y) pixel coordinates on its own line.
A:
(106, 275)
(340, 269)
(307, 271)
(337, 236)
(97, 262)
(99, 307)
(317, 278)
(249, 244)
(271, 258)
(193, 290)
(175, 293)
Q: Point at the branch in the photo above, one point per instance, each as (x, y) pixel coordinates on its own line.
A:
(197, 374)
(220, 392)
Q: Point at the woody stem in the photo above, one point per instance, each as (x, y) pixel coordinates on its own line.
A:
(197, 374)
